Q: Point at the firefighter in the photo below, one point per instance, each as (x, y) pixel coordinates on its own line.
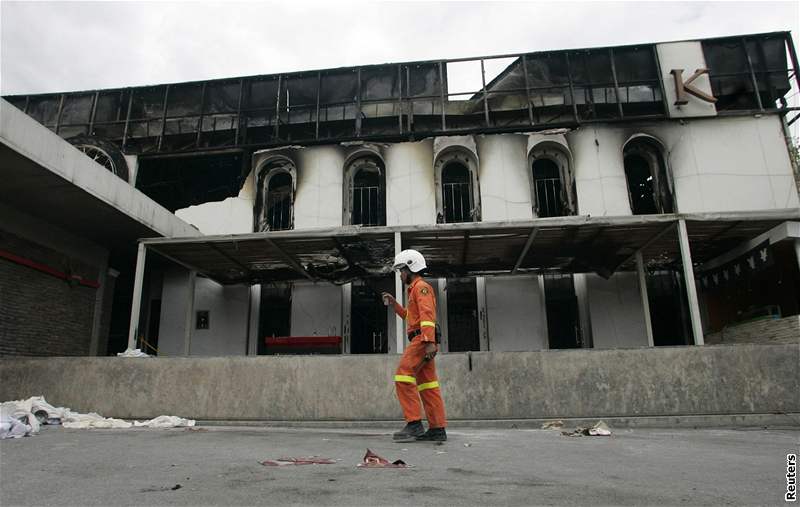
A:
(416, 374)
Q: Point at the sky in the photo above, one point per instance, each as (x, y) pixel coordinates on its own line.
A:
(69, 46)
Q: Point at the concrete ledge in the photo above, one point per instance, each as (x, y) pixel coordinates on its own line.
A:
(726, 381)
(774, 421)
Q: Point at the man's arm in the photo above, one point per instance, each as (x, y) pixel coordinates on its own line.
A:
(397, 307)
(426, 303)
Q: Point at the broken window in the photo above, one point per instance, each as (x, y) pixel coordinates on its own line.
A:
(367, 191)
(276, 197)
(457, 198)
(729, 71)
(457, 193)
(179, 182)
(462, 315)
(553, 188)
(646, 173)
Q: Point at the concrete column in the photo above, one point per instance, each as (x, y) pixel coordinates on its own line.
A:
(691, 288)
(582, 293)
(543, 324)
(645, 300)
(99, 299)
(136, 305)
(255, 318)
(189, 322)
(483, 317)
(347, 305)
(441, 313)
(400, 336)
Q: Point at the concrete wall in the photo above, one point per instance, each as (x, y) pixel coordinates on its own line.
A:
(514, 307)
(503, 175)
(759, 379)
(718, 164)
(320, 177)
(228, 312)
(785, 330)
(316, 310)
(410, 192)
(616, 311)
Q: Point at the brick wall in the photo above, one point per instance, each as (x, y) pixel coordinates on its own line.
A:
(41, 315)
(785, 330)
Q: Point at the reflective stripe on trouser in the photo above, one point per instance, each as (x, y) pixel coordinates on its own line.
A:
(412, 385)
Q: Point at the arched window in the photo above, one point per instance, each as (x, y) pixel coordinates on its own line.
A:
(275, 203)
(457, 197)
(366, 199)
(646, 173)
(552, 185)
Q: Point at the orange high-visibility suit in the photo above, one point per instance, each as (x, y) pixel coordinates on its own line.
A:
(416, 377)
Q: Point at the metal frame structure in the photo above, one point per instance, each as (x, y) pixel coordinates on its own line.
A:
(202, 125)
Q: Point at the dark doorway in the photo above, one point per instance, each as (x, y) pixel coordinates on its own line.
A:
(669, 310)
(153, 321)
(368, 317)
(275, 314)
(563, 322)
(279, 202)
(462, 316)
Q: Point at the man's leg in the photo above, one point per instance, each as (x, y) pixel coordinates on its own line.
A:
(406, 387)
(430, 391)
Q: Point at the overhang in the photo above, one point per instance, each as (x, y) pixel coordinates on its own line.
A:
(46, 177)
(576, 244)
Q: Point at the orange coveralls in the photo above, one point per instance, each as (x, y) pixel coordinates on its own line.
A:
(415, 377)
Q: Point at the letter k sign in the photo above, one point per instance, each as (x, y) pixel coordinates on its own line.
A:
(682, 88)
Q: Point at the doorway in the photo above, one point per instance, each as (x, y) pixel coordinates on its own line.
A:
(462, 315)
(369, 317)
(563, 323)
(275, 315)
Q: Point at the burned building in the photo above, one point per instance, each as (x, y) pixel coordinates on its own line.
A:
(626, 196)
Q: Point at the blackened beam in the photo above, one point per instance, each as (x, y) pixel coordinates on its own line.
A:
(525, 249)
(154, 248)
(230, 258)
(343, 251)
(465, 250)
(647, 244)
(290, 260)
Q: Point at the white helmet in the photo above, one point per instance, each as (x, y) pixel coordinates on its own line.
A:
(410, 259)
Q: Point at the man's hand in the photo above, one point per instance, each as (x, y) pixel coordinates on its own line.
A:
(388, 297)
(430, 351)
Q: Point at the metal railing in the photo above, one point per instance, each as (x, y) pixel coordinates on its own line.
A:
(366, 206)
(279, 210)
(548, 197)
(457, 202)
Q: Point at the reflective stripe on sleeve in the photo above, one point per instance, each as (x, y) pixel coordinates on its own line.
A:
(427, 323)
(428, 385)
(407, 379)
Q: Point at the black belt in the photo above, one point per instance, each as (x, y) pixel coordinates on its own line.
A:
(413, 334)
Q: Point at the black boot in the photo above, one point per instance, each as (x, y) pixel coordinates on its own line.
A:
(433, 435)
(412, 430)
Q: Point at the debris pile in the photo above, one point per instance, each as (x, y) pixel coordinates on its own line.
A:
(25, 417)
(372, 460)
(600, 429)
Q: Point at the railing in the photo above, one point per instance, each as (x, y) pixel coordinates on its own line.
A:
(279, 210)
(548, 197)
(457, 202)
(367, 209)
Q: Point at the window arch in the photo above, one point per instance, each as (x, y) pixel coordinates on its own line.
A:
(275, 200)
(552, 183)
(649, 189)
(457, 194)
(365, 192)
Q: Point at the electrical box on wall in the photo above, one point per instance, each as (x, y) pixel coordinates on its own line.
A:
(201, 321)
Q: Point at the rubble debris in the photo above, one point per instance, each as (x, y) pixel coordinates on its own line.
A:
(132, 353)
(599, 429)
(554, 425)
(312, 460)
(372, 460)
(35, 412)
